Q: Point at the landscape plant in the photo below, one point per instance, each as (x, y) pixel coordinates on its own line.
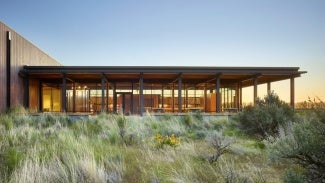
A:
(304, 145)
(219, 143)
(266, 117)
(116, 148)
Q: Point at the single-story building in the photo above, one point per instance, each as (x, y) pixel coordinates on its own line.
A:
(31, 78)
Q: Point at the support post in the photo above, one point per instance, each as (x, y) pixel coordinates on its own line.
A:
(103, 93)
(40, 99)
(162, 96)
(26, 90)
(195, 97)
(173, 98)
(240, 96)
(89, 109)
(74, 98)
(141, 94)
(179, 92)
(205, 98)
(114, 98)
(64, 90)
(218, 94)
(268, 88)
(131, 105)
(292, 92)
(237, 97)
(186, 97)
(107, 99)
(255, 89)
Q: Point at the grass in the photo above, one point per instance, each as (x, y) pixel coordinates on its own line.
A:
(112, 148)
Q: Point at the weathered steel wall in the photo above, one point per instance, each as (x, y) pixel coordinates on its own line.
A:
(22, 53)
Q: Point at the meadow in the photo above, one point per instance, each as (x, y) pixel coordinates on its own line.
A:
(166, 148)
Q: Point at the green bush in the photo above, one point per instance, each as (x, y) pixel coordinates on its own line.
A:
(304, 145)
(265, 118)
(188, 120)
(198, 115)
(8, 123)
(293, 177)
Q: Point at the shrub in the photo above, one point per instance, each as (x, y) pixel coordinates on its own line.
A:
(121, 122)
(188, 120)
(8, 123)
(305, 146)
(220, 144)
(266, 116)
(198, 115)
(293, 177)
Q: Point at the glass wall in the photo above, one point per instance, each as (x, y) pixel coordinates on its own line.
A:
(79, 102)
(125, 97)
(51, 99)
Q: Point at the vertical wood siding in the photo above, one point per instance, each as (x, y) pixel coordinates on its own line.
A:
(2, 67)
(34, 94)
(22, 53)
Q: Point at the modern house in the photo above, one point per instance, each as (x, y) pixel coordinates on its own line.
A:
(31, 78)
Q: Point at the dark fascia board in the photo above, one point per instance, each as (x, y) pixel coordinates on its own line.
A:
(162, 69)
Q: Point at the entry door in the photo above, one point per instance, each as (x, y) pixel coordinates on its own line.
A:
(124, 102)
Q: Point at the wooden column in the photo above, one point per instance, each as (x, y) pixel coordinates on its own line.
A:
(26, 91)
(40, 99)
(292, 92)
(107, 94)
(131, 105)
(103, 93)
(114, 98)
(205, 98)
(64, 93)
(74, 97)
(240, 96)
(186, 97)
(255, 89)
(173, 98)
(180, 92)
(89, 110)
(237, 97)
(162, 96)
(141, 94)
(218, 94)
(268, 87)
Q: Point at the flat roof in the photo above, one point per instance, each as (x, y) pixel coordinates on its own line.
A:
(164, 74)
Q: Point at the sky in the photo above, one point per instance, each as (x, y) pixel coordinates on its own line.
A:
(181, 32)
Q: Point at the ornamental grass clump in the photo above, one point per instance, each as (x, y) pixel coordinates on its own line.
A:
(170, 140)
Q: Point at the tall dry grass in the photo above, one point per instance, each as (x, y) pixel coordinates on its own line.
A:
(112, 148)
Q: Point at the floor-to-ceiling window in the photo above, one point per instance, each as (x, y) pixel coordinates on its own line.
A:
(51, 99)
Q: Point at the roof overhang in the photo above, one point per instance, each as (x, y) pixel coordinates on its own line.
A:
(164, 74)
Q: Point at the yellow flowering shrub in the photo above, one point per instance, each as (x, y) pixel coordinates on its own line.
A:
(171, 140)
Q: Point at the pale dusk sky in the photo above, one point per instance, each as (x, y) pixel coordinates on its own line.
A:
(181, 32)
